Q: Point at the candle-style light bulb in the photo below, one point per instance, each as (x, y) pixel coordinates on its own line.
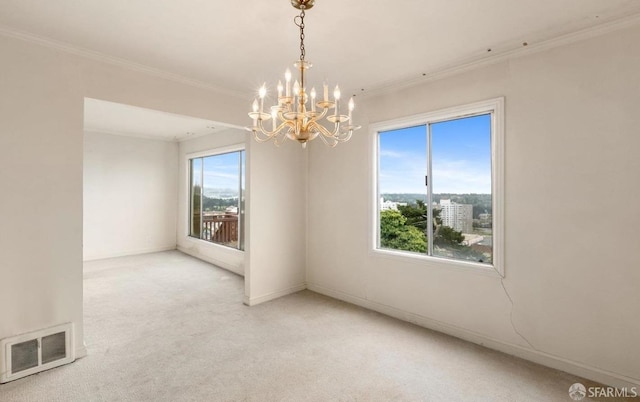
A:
(326, 92)
(287, 79)
(352, 105)
(280, 88)
(262, 93)
(254, 106)
(336, 97)
(313, 99)
(274, 116)
(296, 93)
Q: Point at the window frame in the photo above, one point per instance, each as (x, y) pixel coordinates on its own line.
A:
(241, 226)
(494, 106)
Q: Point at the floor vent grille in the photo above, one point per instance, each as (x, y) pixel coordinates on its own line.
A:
(31, 353)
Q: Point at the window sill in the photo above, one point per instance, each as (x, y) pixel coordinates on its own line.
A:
(437, 262)
(214, 246)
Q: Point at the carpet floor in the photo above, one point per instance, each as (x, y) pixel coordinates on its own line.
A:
(168, 327)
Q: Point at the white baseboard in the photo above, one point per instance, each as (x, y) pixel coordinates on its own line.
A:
(265, 298)
(545, 359)
(210, 260)
(81, 352)
(102, 256)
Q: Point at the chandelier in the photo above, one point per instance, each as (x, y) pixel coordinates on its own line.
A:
(299, 115)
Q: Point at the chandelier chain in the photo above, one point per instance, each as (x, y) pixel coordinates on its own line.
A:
(301, 26)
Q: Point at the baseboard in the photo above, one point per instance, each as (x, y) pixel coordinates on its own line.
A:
(210, 260)
(545, 359)
(265, 298)
(81, 352)
(131, 252)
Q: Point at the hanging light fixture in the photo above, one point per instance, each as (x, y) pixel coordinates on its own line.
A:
(298, 115)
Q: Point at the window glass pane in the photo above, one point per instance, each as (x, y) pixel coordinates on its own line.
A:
(241, 203)
(220, 199)
(402, 191)
(217, 198)
(195, 170)
(461, 188)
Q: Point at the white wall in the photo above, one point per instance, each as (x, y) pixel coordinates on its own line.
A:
(571, 196)
(42, 91)
(274, 259)
(41, 186)
(130, 195)
(225, 257)
(276, 217)
(571, 149)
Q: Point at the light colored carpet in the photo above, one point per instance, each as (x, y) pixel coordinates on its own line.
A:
(168, 327)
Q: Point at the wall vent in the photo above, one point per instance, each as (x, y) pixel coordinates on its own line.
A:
(36, 351)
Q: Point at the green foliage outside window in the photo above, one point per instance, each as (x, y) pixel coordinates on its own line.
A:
(405, 229)
(395, 234)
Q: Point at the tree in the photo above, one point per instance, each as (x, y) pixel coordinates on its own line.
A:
(395, 234)
(406, 229)
(416, 216)
(448, 236)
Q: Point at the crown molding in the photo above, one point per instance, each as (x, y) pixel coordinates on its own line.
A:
(473, 63)
(141, 136)
(145, 136)
(450, 69)
(116, 61)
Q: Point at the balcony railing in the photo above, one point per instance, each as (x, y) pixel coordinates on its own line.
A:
(220, 228)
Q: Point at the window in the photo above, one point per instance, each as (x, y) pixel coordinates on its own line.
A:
(216, 198)
(439, 186)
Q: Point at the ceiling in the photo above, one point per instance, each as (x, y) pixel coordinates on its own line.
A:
(132, 121)
(361, 44)
(365, 45)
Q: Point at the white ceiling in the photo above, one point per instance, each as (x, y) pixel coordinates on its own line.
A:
(365, 45)
(118, 119)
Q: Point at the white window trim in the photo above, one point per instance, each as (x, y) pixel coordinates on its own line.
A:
(496, 106)
(187, 218)
(215, 151)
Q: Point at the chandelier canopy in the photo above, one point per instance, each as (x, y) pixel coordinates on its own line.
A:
(299, 115)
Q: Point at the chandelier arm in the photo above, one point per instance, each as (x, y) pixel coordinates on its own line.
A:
(344, 138)
(281, 137)
(256, 136)
(272, 132)
(322, 115)
(261, 137)
(263, 131)
(326, 133)
(331, 144)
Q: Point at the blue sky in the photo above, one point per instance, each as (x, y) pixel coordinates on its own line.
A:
(461, 157)
(221, 171)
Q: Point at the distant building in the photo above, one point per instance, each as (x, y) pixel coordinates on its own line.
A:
(457, 216)
(484, 220)
(385, 205)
